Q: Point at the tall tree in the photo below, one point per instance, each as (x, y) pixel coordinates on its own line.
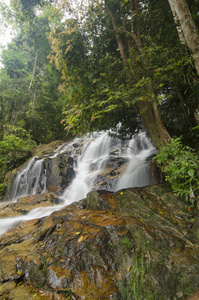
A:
(29, 85)
(118, 61)
(189, 31)
(127, 23)
(118, 55)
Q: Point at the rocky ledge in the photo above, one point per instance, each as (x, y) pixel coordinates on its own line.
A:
(139, 243)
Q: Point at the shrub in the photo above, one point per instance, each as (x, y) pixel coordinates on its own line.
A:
(180, 165)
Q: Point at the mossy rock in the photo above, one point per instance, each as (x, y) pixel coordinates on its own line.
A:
(132, 244)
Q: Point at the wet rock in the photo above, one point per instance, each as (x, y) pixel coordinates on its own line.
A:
(47, 148)
(116, 162)
(106, 179)
(26, 204)
(132, 244)
(59, 172)
(95, 202)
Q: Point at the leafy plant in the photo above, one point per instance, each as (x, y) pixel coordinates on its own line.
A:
(15, 147)
(180, 165)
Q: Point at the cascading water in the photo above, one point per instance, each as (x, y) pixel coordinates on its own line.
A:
(31, 180)
(137, 173)
(91, 162)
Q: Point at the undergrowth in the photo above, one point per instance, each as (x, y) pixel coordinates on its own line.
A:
(180, 163)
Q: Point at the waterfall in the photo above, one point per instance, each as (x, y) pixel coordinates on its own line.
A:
(30, 181)
(89, 164)
(92, 160)
(137, 173)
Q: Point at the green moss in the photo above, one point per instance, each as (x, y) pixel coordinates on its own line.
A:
(67, 293)
(137, 284)
(92, 252)
(127, 244)
(38, 273)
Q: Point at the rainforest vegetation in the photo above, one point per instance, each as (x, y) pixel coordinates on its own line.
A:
(80, 66)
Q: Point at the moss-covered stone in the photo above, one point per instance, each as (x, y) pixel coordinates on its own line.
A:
(132, 244)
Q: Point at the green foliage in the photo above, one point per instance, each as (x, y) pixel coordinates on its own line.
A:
(29, 85)
(15, 147)
(3, 188)
(64, 69)
(180, 165)
(6, 18)
(99, 93)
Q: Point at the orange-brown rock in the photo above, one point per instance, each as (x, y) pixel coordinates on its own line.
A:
(132, 244)
(25, 204)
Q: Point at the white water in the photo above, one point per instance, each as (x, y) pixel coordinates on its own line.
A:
(95, 153)
(30, 181)
(89, 164)
(137, 173)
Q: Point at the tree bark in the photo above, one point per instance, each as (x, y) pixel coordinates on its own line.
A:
(154, 126)
(182, 13)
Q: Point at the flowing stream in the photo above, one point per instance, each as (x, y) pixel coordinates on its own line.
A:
(95, 153)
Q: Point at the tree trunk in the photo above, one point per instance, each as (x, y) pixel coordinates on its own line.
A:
(154, 125)
(148, 109)
(33, 72)
(182, 13)
(179, 28)
(118, 37)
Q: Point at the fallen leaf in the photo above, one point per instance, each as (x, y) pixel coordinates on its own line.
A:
(80, 239)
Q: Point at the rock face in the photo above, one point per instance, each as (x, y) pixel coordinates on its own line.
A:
(60, 172)
(136, 243)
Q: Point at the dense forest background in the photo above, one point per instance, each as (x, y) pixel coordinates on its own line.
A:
(75, 67)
